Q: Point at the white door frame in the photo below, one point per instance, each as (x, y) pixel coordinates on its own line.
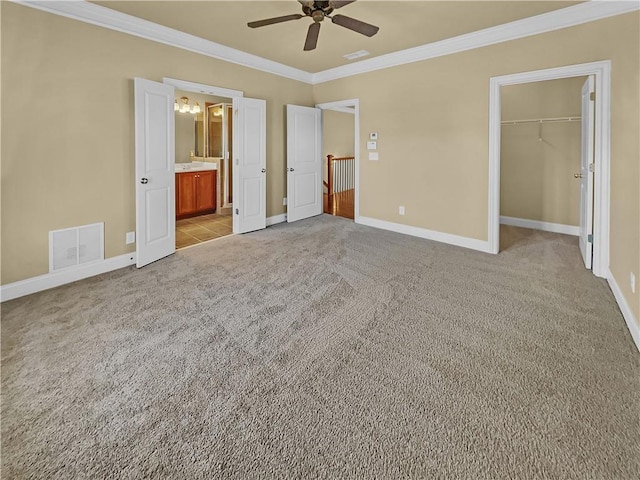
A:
(350, 106)
(602, 151)
(210, 90)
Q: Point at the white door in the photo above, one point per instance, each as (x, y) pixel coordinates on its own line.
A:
(250, 165)
(155, 171)
(586, 173)
(304, 162)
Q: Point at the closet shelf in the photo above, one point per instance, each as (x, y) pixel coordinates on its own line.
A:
(542, 120)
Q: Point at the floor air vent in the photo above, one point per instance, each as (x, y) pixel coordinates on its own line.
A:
(75, 246)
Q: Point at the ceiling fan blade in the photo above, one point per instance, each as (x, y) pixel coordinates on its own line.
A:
(271, 21)
(339, 4)
(312, 36)
(355, 25)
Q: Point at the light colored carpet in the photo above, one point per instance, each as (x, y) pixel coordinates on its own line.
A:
(325, 349)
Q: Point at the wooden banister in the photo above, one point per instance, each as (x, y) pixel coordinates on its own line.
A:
(330, 176)
(341, 202)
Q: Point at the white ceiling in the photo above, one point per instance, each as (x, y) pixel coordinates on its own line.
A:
(403, 24)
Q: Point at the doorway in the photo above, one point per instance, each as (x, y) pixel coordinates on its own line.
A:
(305, 164)
(540, 156)
(249, 147)
(203, 145)
(155, 168)
(600, 72)
(341, 133)
(339, 162)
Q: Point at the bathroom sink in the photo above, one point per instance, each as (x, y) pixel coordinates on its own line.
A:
(197, 166)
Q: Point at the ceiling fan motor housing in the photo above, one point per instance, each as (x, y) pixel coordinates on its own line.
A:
(317, 10)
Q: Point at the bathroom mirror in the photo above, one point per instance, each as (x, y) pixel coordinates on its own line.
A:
(199, 134)
(215, 117)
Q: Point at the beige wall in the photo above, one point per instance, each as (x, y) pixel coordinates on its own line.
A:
(537, 162)
(77, 80)
(433, 125)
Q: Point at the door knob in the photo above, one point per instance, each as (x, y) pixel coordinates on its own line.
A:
(577, 175)
(291, 169)
(144, 180)
(264, 170)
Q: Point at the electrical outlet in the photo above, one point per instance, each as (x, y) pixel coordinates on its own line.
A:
(284, 200)
(401, 210)
(632, 281)
(130, 237)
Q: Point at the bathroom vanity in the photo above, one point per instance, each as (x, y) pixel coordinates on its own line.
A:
(195, 189)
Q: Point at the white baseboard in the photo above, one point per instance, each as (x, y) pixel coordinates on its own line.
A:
(55, 279)
(466, 242)
(538, 225)
(629, 317)
(276, 219)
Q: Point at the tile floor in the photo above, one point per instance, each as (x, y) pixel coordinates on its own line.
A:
(191, 231)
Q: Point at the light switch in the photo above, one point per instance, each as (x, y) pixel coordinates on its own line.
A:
(373, 155)
(372, 145)
(373, 136)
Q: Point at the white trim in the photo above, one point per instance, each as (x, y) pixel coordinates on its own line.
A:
(202, 88)
(538, 225)
(457, 240)
(602, 151)
(62, 277)
(275, 219)
(629, 317)
(351, 106)
(121, 22)
(546, 22)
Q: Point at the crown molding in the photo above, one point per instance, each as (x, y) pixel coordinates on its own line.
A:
(105, 17)
(546, 22)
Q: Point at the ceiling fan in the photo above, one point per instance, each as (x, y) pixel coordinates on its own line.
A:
(318, 11)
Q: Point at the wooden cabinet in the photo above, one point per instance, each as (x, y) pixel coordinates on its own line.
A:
(195, 193)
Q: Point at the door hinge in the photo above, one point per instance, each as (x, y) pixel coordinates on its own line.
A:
(237, 211)
(590, 238)
(592, 96)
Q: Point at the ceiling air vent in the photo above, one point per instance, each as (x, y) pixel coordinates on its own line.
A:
(354, 55)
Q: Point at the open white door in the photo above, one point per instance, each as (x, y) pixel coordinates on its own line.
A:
(304, 162)
(250, 165)
(586, 172)
(155, 171)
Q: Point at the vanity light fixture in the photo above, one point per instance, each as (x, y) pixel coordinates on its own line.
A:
(185, 107)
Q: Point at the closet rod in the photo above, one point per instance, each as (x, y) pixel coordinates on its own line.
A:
(542, 120)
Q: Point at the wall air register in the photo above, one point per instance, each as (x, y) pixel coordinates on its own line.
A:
(76, 246)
